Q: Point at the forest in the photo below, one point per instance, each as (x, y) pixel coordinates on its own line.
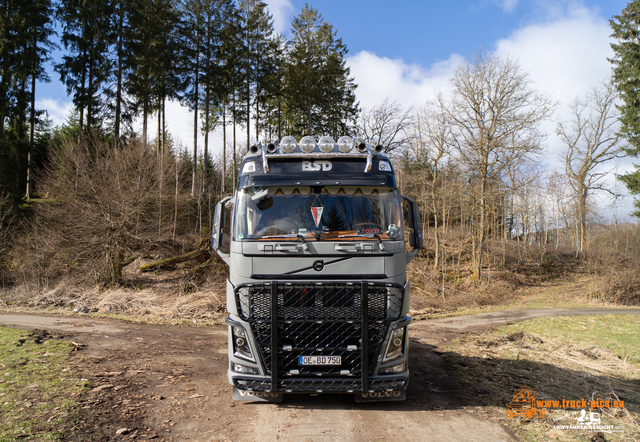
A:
(83, 201)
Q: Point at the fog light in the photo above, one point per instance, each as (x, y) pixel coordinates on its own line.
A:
(244, 369)
(400, 368)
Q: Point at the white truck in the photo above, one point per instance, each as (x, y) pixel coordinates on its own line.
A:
(317, 293)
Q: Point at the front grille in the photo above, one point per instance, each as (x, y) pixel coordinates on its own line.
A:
(320, 319)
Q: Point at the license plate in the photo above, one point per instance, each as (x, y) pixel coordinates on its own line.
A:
(319, 360)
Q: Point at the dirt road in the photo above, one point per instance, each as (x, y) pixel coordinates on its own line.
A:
(169, 383)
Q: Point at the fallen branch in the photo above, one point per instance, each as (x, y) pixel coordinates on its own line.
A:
(200, 254)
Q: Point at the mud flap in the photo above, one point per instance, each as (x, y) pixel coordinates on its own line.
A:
(380, 396)
(256, 396)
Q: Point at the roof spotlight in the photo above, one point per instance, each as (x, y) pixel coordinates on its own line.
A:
(308, 144)
(288, 144)
(345, 144)
(326, 144)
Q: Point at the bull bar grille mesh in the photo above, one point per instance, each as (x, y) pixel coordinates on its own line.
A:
(322, 319)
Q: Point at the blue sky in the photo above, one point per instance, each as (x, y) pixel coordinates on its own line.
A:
(406, 51)
(425, 31)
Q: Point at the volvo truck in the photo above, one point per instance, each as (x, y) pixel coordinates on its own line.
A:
(317, 239)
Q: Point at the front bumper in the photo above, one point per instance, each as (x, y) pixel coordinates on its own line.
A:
(319, 319)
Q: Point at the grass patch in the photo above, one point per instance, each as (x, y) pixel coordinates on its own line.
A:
(620, 334)
(37, 389)
(590, 357)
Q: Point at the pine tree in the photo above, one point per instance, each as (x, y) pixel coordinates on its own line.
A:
(272, 97)
(626, 78)
(85, 68)
(258, 59)
(319, 94)
(120, 108)
(25, 28)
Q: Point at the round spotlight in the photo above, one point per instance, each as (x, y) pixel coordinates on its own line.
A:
(326, 144)
(288, 144)
(308, 144)
(362, 147)
(345, 144)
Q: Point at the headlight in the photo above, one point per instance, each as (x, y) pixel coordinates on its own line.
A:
(241, 347)
(395, 346)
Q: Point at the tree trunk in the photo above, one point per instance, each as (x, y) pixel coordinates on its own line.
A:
(480, 246)
(205, 163)
(32, 123)
(194, 170)
(224, 146)
(119, 74)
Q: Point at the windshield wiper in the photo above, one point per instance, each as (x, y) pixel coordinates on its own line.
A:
(292, 236)
(366, 235)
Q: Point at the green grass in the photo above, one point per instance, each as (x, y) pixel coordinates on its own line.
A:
(37, 390)
(619, 334)
(558, 358)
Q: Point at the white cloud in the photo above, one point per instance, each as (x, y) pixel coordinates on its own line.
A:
(282, 11)
(410, 85)
(565, 57)
(58, 110)
(565, 54)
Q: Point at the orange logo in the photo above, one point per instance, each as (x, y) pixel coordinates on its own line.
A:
(524, 404)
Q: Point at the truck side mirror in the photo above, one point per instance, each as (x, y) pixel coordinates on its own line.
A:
(217, 237)
(413, 220)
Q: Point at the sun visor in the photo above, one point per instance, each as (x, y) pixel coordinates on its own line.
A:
(303, 172)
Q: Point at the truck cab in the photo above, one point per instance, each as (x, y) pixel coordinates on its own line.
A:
(318, 297)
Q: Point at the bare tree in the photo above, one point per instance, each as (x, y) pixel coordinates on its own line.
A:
(103, 204)
(591, 139)
(495, 112)
(386, 124)
(430, 143)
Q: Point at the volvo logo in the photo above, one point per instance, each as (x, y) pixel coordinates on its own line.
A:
(316, 166)
(318, 265)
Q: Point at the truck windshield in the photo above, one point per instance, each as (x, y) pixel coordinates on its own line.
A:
(318, 213)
